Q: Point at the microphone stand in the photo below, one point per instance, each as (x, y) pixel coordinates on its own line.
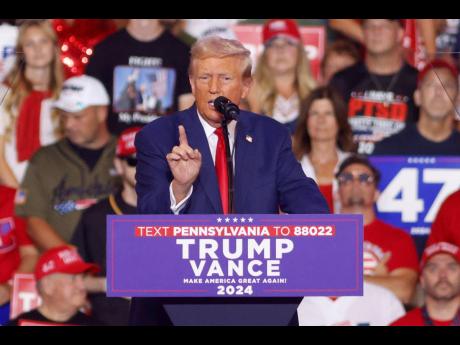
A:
(228, 155)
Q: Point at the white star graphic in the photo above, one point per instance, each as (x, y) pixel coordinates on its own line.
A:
(227, 220)
(250, 219)
(235, 220)
(219, 220)
(243, 219)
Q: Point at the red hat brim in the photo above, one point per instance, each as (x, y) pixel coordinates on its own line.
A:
(76, 268)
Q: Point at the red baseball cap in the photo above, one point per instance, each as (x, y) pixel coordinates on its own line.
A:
(286, 28)
(437, 248)
(125, 144)
(437, 63)
(62, 259)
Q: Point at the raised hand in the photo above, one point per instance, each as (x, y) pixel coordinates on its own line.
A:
(185, 164)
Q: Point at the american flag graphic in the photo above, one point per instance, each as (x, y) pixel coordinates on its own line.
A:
(7, 241)
(6, 225)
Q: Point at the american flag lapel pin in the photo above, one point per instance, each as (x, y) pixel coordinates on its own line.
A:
(249, 138)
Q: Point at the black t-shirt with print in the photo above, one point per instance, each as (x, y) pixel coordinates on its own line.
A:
(35, 318)
(378, 105)
(143, 79)
(410, 142)
(90, 239)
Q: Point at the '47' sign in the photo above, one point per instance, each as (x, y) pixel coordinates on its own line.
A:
(413, 189)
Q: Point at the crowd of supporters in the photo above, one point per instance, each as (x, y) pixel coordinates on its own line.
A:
(74, 93)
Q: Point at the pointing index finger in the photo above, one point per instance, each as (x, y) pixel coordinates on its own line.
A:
(182, 136)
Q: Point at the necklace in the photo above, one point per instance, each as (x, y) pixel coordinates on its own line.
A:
(286, 109)
(380, 87)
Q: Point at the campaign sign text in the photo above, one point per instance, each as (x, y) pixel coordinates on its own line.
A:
(412, 189)
(234, 255)
(25, 296)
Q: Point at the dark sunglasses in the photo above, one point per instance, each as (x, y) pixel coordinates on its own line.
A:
(345, 178)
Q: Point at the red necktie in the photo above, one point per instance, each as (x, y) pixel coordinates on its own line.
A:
(221, 169)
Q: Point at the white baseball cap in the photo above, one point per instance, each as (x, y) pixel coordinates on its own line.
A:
(80, 92)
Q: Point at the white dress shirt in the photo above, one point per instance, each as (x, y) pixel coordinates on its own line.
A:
(212, 142)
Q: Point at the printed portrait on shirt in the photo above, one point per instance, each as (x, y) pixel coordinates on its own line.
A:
(143, 89)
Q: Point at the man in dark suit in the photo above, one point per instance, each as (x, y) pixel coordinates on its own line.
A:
(181, 159)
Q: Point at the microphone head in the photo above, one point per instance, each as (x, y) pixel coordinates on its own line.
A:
(224, 106)
(220, 103)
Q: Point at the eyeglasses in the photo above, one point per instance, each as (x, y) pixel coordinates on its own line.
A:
(131, 161)
(364, 178)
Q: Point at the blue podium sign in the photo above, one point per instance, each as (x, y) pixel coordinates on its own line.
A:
(235, 255)
(412, 189)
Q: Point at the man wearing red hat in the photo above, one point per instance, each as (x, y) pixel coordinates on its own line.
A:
(434, 134)
(59, 274)
(90, 234)
(440, 280)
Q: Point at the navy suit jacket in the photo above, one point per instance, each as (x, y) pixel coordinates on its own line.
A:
(267, 175)
(267, 178)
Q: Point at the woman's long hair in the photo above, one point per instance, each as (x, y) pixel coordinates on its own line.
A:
(264, 86)
(19, 86)
(302, 141)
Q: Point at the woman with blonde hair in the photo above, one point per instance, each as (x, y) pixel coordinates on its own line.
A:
(323, 139)
(282, 78)
(26, 118)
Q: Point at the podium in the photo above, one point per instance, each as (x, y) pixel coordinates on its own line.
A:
(214, 311)
(217, 270)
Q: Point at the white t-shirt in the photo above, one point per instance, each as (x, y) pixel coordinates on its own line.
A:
(8, 38)
(377, 307)
(47, 134)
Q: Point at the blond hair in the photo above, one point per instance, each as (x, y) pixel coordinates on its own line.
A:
(264, 89)
(218, 47)
(19, 86)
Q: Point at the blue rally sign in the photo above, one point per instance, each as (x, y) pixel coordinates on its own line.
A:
(235, 255)
(412, 189)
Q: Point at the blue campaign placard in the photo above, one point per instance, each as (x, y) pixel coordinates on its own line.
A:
(235, 255)
(412, 189)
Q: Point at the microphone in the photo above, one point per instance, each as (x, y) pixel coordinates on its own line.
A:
(224, 106)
